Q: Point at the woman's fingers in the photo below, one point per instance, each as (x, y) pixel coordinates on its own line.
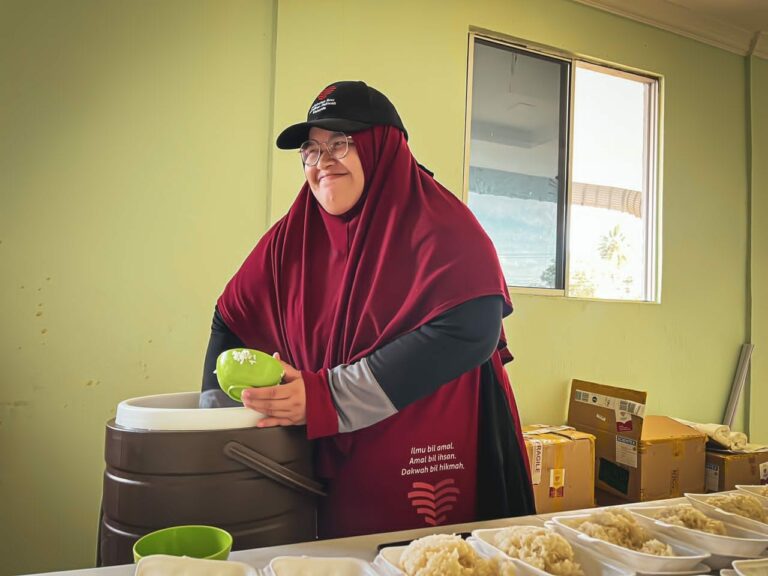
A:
(269, 422)
(283, 405)
(291, 373)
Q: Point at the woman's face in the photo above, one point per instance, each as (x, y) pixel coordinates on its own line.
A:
(336, 184)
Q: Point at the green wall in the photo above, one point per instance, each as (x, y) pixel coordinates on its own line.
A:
(137, 170)
(759, 249)
(134, 162)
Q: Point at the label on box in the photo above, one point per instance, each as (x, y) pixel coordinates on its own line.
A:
(764, 473)
(538, 455)
(623, 421)
(626, 451)
(712, 478)
(557, 483)
(610, 402)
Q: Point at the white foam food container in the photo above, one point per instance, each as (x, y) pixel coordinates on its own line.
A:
(687, 557)
(319, 566)
(590, 562)
(388, 562)
(699, 501)
(751, 567)
(754, 490)
(737, 541)
(164, 565)
(180, 411)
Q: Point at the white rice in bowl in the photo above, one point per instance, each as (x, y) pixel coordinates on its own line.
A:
(540, 548)
(742, 504)
(687, 516)
(449, 555)
(619, 527)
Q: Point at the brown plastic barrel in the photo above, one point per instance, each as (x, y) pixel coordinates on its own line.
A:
(253, 482)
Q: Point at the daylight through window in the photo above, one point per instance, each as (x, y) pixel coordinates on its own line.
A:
(568, 197)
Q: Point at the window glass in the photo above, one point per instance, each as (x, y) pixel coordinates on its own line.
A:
(516, 167)
(588, 233)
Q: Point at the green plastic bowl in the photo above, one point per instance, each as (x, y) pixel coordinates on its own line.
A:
(206, 542)
(241, 368)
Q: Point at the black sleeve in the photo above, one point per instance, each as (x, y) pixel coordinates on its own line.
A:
(418, 363)
(221, 339)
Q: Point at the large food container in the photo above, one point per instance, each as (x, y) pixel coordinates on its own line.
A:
(170, 463)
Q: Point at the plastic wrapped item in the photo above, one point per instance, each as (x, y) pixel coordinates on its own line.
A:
(687, 558)
(702, 502)
(736, 541)
(591, 563)
(759, 491)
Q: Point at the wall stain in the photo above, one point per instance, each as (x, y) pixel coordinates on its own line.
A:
(39, 313)
(44, 331)
(15, 404)
(92, 383)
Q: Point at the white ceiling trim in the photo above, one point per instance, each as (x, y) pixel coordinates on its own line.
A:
(686, 22)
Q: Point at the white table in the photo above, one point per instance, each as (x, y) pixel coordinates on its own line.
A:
(363, 547)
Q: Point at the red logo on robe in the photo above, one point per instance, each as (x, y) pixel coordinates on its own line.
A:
(433, 502)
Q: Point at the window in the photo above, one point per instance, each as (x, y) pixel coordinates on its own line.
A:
(562, 171)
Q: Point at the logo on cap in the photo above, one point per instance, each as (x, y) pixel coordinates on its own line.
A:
(325, 93)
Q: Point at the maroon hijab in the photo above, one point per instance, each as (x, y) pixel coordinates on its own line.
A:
(325, 290)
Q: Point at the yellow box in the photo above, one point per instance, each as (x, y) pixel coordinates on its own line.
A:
(638, 458)
(726, 469)
(562, 467)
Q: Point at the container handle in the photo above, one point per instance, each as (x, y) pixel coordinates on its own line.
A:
(272, 469)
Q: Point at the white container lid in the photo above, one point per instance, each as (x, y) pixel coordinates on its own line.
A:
(317, 566)
(180, 411)
(164, 565)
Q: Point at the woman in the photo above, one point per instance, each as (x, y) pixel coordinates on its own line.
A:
(383, 297)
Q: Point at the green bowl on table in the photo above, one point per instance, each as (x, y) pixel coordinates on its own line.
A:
(207, 542)
(241, 368)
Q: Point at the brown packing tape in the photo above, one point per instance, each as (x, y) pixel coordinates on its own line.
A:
(678, 449)
(674, 485)
(557, 478)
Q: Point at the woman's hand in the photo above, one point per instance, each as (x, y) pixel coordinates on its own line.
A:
(284, 405)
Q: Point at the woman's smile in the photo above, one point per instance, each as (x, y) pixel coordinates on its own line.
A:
(337, 183)
(331, 176)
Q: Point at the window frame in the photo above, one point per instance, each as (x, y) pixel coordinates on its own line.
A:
(652, 155)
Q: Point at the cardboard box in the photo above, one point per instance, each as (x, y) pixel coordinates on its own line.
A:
(638, 458)
(562, 467)
(726, 469)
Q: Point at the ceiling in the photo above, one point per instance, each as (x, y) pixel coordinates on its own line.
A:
(739, 26)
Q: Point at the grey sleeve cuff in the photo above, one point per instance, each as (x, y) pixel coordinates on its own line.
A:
(360, 401)
(216, 399)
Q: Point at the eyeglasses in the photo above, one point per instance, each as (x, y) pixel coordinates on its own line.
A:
(337, 146)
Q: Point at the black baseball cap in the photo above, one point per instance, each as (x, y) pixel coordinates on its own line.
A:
(347, 106)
